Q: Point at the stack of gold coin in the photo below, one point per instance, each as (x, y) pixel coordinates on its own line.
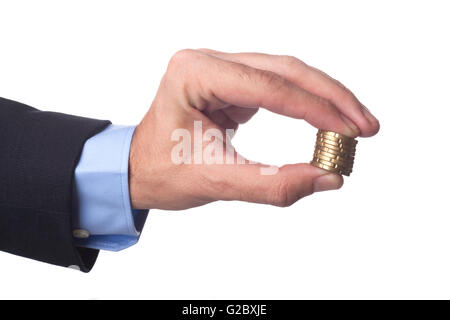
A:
(334, 152)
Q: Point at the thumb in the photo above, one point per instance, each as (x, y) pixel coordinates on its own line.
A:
(282, 188)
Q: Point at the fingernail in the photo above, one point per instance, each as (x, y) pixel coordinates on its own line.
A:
(330, 181)
(369, 116)
(353, 128)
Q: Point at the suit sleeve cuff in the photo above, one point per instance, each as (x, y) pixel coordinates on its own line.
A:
(102, 192)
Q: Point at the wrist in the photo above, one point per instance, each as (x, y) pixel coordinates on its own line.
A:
(135, 174)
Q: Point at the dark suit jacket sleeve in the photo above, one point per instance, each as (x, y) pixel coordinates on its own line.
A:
(38, 155)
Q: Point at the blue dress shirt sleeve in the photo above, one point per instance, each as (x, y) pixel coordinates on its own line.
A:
(103, 216)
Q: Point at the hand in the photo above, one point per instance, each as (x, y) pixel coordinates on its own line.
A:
(223, 90)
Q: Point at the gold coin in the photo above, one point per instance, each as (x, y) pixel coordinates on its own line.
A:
(330, 147)
(333, 133)
(341, 166)
(337, 136)
(340, 156)
(324, 166)
(331, 163)
(334, 152)
(344, 163)
(336, 142)
(330, 169)
(340, 141)
(337, 155)
(337, 166)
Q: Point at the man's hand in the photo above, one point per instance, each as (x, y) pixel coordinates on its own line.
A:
(223, 90)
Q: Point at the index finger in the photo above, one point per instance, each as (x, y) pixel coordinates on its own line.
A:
(311, 79)
(245, 86)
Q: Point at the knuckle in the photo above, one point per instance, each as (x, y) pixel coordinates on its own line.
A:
(281, 194)
(245, 73)
(327, 104)
(181, 68)
(271, 79)
(291, 61)
(181, 57)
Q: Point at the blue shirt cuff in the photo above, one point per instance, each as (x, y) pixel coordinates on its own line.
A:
(102, 198)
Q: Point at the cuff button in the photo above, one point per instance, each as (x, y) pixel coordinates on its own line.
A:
(80, 234)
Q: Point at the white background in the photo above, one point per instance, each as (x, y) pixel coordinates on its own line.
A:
(385, 234)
